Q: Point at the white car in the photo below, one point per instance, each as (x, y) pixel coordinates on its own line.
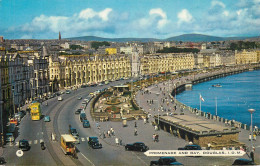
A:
(60, 98)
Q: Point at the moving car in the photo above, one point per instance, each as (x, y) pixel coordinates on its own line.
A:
(67, 91)
(190, 147)
(24, 145)
(79, 98)
(47, 119)
(86, 124)
(73, 132)
(82, 116)
(78, 111)
(137, 146)
(94, 143)
(242, 161)
(165, 161)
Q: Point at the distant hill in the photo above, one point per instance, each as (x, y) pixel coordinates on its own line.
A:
(94, 38)
(184, 38)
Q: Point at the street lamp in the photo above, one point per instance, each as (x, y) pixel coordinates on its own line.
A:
(158, 94)
(251, 127)
(13, 101)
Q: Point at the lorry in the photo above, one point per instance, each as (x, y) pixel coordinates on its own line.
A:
(68, 144)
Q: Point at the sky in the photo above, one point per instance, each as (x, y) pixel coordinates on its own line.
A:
(43, 19)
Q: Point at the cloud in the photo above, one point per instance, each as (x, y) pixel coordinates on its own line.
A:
(184, 16)
(217, 3)
(90, 13)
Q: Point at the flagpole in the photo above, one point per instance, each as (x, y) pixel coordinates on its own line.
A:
(200, 101)
(216, 106)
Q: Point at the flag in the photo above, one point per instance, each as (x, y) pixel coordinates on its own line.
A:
(201, 98)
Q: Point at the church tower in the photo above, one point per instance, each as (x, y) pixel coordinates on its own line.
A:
(59, 36)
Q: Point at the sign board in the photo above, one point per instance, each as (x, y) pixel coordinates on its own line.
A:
(194, 153)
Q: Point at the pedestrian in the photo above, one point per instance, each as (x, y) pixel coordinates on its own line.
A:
(108, 133)
(252, 156)
(104, 134)
(117, 141)
(254, 137)
(135, 132)
(209, 146)
(144, 120)
(190, 143)
(135, 124)
(250, 137)
(153, 137)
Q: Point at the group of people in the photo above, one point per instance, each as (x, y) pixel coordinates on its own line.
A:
(250, 137)
(155, 138)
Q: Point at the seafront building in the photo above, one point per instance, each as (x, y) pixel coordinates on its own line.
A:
(246, 57)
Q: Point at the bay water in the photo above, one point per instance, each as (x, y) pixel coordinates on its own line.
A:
(238, 93)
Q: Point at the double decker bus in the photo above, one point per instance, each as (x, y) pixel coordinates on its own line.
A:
(36, 112)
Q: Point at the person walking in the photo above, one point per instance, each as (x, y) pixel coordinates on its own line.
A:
(135, 124)
(250, 137)
(153, 137)
(135, 132)
(254, 137)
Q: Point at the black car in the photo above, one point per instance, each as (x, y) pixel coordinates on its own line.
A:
(242, 161)
(73, 132)
(24, 145)
(190, 147)
(78, 111)
(94, 143)
(166, 161)
(137, 146)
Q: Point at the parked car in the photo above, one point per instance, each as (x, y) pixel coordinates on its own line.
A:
(82, 116)
(79, 98)
(73, 132)
(94, 143)
(68, 91)
(78, 111)
(242, 161)
(21, 113)
(86, 124)
(165, 161)
(47, 119)
(24, 145)
(190, 147)
(60, 98)
(137, 146)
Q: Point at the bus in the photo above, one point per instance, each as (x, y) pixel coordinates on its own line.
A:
(36, 112)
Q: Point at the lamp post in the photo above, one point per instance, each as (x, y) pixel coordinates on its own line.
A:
(13, 101)
(158, 94)
(2, 124)
(251, 127)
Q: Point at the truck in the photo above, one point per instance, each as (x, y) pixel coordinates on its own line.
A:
(68, 144)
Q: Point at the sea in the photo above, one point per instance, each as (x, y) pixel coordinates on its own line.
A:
(238, 93)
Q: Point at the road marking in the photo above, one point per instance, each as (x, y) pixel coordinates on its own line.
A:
(30, 142)
(87, 159)
(83, 139)
(140, 159)
(35, 141)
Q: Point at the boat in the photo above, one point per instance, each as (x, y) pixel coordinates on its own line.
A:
(217, 85)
